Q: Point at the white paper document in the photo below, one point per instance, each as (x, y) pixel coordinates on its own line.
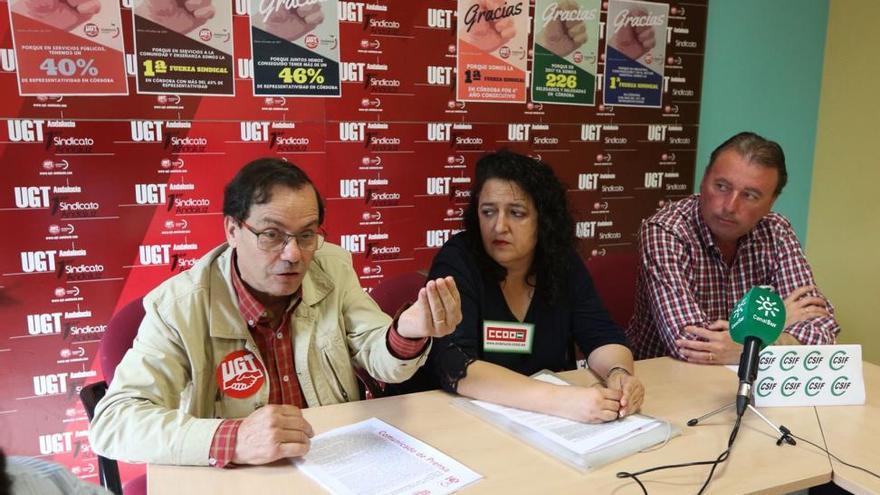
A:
(373, 458)
(577, 437)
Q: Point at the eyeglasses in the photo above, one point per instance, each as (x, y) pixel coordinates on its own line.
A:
(275, 240)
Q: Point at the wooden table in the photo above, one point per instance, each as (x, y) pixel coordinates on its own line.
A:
(676, 391)
(853, 434)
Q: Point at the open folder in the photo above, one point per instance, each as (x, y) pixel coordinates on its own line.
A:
(581, 445)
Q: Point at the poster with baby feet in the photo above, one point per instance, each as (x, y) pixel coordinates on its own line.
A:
(184, 47)
(635, 53)
(68, 47)
(566, 51)
(492, 50)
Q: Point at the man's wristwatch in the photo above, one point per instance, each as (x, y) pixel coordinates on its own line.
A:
(614, 370)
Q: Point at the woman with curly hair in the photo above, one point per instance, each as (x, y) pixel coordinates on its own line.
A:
(526, 298)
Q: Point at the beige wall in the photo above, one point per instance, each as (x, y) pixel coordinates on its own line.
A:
(843, 232)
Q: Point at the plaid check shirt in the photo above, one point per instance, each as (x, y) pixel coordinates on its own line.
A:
(683, 279)
(276, 349)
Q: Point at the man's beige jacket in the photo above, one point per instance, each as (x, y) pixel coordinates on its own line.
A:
(164, 404)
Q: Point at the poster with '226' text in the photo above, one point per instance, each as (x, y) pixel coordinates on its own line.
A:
(565, 47)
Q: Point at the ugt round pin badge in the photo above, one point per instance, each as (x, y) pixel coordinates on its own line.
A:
(240, 374)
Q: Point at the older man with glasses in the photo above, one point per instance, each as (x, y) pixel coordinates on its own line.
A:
(270, 322)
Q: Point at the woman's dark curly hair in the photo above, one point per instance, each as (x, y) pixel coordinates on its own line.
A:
(555, 225)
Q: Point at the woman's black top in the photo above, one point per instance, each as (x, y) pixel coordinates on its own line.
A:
(577, 317)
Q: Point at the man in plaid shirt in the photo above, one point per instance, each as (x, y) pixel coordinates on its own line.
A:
(700, 255)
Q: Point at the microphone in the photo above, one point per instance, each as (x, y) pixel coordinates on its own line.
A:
(756, 321)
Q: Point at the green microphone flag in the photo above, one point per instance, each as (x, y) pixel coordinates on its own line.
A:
(761, 314)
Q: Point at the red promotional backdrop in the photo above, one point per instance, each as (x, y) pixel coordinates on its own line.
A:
(102, 198)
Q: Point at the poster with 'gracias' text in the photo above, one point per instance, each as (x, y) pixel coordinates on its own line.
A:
(492, 46)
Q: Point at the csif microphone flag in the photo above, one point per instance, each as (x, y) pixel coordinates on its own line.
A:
(756, 321)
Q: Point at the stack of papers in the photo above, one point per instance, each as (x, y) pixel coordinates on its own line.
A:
(373, 458)
(577, 437)
(581, 445)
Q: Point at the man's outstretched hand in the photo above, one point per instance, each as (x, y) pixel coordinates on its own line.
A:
(436, 312)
